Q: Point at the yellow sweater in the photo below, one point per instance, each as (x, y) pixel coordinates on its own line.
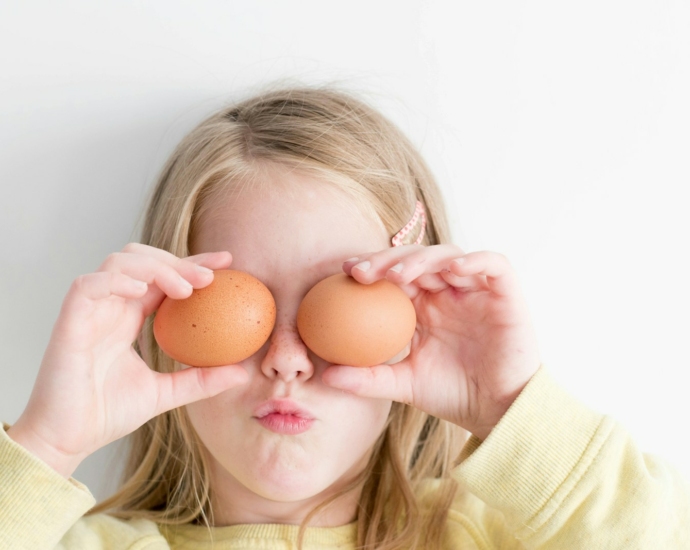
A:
(551, 475)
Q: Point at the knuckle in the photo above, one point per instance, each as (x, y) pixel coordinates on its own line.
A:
(81, 282)
(419, 259)
(503, 257)
(183, 263)
(111, 260)
(133, 248)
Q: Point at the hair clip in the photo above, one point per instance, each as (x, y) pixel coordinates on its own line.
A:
(397, 239)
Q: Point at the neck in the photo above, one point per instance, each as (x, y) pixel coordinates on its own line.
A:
(235, 504)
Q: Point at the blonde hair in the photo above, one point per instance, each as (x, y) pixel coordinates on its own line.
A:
(330, 133)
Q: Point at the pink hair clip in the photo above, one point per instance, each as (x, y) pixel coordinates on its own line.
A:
(397, 239)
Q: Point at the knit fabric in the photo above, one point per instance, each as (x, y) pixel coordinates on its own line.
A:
(551, 475)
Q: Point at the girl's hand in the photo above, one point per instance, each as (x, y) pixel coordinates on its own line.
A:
(92, 387)
(474, 348)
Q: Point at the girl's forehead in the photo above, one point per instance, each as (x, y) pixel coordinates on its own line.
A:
(309, 231)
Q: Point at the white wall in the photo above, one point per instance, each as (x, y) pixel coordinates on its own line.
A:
(559, 132)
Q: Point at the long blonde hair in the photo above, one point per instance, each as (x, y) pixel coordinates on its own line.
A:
(330, 133)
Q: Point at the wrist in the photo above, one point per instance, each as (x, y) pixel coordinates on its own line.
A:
(482, 433)
(494, 412)
(63, 464)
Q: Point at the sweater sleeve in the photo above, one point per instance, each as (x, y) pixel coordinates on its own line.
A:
(40, 509)
(37, 505)
(562, 476)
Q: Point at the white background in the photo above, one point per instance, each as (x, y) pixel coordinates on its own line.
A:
(558, 131)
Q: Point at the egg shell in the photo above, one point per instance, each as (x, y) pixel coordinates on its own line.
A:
(220, 324)
(350, 323)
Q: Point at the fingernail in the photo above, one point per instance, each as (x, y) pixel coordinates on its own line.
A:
(186, 283)
(364, 266)
(397, 268)
(351, 260)
(202, 269)
(459, 261)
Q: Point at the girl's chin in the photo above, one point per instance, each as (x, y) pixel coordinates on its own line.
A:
(285, 482)
(287, 486)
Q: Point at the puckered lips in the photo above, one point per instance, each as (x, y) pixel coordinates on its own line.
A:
(283, 416)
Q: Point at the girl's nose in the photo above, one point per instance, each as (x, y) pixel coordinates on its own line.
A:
(287, 356)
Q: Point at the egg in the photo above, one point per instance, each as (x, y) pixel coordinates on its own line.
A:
(220, 324)
(350, 323)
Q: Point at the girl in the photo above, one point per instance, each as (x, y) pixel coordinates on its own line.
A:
(462, 441)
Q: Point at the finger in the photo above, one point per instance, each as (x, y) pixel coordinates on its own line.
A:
(98, 286)
(500, 276)
(141, 266)
(431, 259)
(93, 287)
(141, 250)
(213, 260)
(437, 282)
(472, 282)
(368, 266)
(382, 381)
(151, 270)
(174, 277)
(351, 262)
(404, 264)
(192, 384)
(188, 267)
(411, 290)
(433, 282)
(169, 257)
(198, 279)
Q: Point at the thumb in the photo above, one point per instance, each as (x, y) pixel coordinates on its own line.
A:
(194, 383)
(392, 382)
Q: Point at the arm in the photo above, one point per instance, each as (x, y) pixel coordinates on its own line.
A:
(37, 504)
(554, 474)
(566, 477)
(40, 509)
(92, 388)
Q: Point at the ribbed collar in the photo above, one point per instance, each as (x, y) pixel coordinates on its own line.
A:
(259, 536)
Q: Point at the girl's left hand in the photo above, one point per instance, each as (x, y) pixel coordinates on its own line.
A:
(474, 348)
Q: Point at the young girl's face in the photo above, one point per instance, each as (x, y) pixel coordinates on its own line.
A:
(289, 241)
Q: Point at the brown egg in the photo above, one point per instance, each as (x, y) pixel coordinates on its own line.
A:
(350, 323)
(221, 324)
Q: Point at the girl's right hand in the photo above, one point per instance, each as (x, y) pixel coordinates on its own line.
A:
(92, 387)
